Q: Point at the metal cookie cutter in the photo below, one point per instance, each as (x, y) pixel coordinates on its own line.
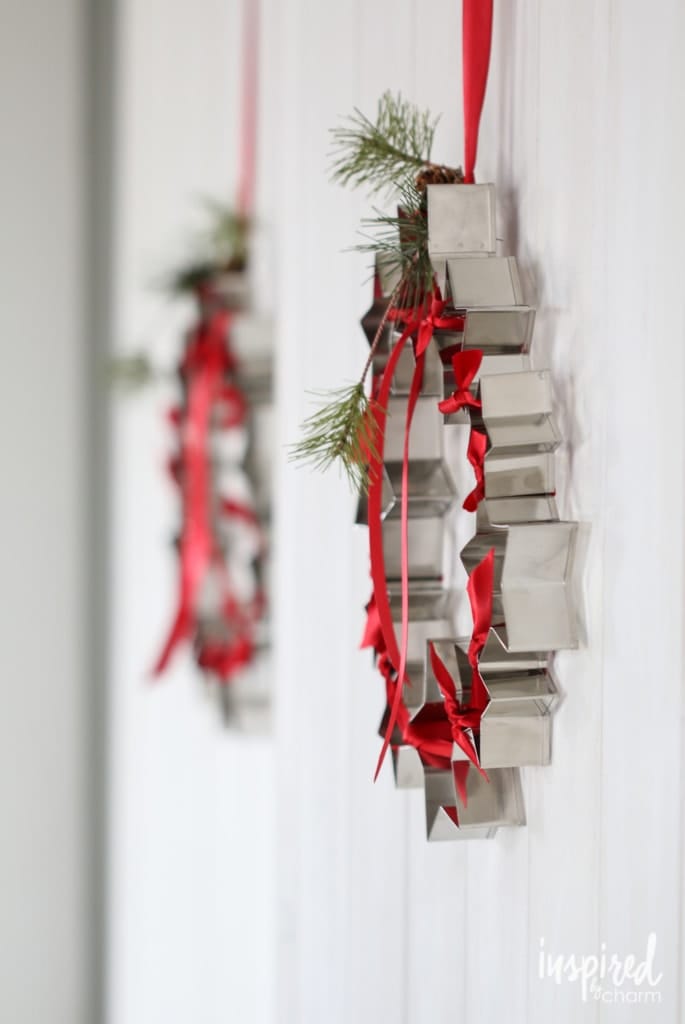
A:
(429, 619)
(532, 603)
(489, 805)
(431, 484)
(461, 221)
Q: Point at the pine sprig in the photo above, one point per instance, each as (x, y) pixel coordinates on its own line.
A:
(227, 235)
(391, 153)
(131, 372)
(401, 244)
(343, 431)
(221, 247)
(377, 154)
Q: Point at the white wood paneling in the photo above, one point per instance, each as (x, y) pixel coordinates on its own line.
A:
(582, 135)
(258, 885)
(190, 891)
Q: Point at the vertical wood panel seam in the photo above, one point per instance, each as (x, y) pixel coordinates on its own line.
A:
(601, 634)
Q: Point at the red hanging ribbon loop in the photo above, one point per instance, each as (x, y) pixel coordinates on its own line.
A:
(460, 718)
(476, 44)
(248, 139)
(417, 380)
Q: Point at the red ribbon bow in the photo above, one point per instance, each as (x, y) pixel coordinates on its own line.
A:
(424, 320)
(225, 659)
(460, 718)
(466, 365)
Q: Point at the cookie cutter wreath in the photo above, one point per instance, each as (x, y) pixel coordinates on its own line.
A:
(221, 464)
(222, 545)
(450, 337)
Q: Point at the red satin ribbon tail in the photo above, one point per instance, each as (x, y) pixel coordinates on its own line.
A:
(479, 693)
(373, 634)
(460, 771)
(440, 671)
(476, 452)
(480, 588)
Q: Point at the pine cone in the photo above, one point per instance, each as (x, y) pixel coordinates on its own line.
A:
(435, 174)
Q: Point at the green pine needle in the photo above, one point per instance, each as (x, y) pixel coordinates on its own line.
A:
(221, 246)
(342, 431)
(381, 153)
(401, 243)
(131, 372)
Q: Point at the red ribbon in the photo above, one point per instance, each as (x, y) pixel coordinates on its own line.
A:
(239, 510)
(203, 367)
(480, 589)
(396, 656)
(476, 43)
(417, 380)
(466, 365)
(373, 633)
(433, 734)
(211, 401)
(248, 147)
(232, 406)
(225, 659)
(475, 453)
(426, 319)
(421, 322)
(429, 735)
(460, 718)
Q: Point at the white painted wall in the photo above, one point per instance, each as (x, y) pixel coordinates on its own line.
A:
(46, 973)
(583, 134)
(363, 921)
(191, 824)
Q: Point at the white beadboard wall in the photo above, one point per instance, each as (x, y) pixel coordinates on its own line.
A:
(191, 900)
(275, 882)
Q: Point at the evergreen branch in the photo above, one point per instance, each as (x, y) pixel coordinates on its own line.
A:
(343, 430)
(131, 372)
(401, 244)
(221, 247)
(381, 153)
